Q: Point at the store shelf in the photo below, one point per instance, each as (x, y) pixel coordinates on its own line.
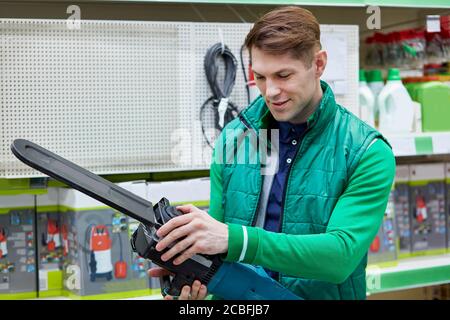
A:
(419, 143)
(409, 3)
(409, 273)
(406, 274)
(353, 3)
(335, 3)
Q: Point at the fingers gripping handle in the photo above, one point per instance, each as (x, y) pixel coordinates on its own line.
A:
(165, 284)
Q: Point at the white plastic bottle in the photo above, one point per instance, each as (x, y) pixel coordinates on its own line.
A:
(376, 83)
(366, 101)
(395, 106)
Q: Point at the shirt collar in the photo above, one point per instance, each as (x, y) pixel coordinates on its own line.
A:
(289, 131)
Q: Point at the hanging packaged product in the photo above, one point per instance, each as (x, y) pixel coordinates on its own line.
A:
(393, 53)
(52, 245)
(445, 32)
(17, 247)
(374, 56)
(413, 46)
(402, 209)
(383, 250)
(396, 107)
(366, 101)
(99, 255)
(218, 107)
(436, 47)
(428, 213)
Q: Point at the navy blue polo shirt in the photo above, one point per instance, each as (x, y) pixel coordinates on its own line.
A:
(289, 136)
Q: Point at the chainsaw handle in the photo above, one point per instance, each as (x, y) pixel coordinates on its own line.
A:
(165, 285)
(173, 286)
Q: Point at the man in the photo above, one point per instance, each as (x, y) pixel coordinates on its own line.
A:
(310, 225)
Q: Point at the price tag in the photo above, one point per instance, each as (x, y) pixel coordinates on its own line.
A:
(433, 23)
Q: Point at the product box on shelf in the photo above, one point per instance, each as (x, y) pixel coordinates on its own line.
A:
(100, 261)
(402, 211)
(383, 250)
(52, 244)
(140, 265)
(428, 214)
(17, 247)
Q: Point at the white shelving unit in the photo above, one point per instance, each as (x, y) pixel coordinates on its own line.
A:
(409, 273)
(415, 144)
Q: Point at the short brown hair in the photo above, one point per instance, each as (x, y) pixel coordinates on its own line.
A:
(286, 29)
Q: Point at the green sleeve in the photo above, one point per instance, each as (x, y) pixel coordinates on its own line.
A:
(331, 256)
(215, 202)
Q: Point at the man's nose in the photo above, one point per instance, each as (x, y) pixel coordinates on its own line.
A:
(272, 89)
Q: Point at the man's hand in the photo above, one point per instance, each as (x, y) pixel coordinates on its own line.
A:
(201, 233)
(197, 292)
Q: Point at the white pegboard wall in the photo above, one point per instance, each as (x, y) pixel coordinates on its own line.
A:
(110, 95)
(91, 95)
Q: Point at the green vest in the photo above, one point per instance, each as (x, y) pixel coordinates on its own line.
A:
(331, 148)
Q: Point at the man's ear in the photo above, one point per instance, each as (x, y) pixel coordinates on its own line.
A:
(320, 62)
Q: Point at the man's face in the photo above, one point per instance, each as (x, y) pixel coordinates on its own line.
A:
(287, 85)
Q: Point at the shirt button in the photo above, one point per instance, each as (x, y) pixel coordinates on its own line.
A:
(288, 160)
(294, 142)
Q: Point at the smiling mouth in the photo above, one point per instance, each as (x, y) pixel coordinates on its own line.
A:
(279, 104)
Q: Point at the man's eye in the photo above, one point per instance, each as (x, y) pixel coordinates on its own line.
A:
(284, 75)
(259, 78)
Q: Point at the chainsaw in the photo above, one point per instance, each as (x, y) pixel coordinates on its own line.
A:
(230, 281)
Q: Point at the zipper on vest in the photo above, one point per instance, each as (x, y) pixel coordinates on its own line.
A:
(254, 217)
(283, 199)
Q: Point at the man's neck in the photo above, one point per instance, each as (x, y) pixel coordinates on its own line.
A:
(310, 108)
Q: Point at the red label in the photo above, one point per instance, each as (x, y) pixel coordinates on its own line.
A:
(375, 246)
(120, 271)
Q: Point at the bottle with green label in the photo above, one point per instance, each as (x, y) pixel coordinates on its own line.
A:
(366, 101)
(396, 108)
(376, 83)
